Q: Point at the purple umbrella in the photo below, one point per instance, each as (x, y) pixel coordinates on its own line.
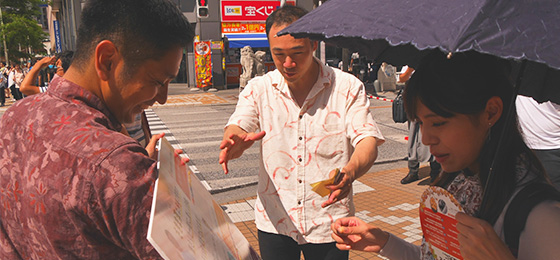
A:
(402, 31)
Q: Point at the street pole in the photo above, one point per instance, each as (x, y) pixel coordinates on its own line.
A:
(4, 39)
(199, 33)
(322, 47)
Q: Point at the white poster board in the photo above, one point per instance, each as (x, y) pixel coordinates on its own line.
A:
(186, 222)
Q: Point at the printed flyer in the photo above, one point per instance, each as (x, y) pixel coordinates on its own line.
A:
(186, 222)
(437, 216)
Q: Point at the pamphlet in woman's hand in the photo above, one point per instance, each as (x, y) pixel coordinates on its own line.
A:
(439, 226)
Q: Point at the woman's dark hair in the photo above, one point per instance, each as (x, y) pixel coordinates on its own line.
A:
(141, 29)
(463, 84)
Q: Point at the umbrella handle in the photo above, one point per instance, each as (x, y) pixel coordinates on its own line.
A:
(490, 179)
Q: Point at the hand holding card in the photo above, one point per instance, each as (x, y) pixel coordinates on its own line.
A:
(320, 186)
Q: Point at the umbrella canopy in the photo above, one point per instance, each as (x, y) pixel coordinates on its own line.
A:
(402, 31)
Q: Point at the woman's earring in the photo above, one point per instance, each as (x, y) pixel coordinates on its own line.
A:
(489, 132)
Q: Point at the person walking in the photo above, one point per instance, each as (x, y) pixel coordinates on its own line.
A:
(417, 152)
(540, 126)
(15, 77)
(312, 119)
(3, 85)
(4, 71)
(19, 75)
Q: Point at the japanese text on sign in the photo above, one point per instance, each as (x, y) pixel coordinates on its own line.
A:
(237, 11)
(243, 27)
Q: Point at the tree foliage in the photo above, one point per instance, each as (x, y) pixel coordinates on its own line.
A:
(21, 29)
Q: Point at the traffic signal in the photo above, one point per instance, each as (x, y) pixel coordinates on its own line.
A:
(202, 8)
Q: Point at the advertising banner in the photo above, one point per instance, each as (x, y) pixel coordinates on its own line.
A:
(186, 222)
(239, 27)
(57, 40)
(248, 11)
(203, 63)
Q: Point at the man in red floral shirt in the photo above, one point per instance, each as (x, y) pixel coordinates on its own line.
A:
(72, 186)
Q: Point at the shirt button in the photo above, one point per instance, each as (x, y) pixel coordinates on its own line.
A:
(299, 202)
(300, 138)
(299, 159)
(300, 116)
(300, 181)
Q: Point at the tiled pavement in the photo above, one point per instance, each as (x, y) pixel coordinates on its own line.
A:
(380, 200)
(198, 99)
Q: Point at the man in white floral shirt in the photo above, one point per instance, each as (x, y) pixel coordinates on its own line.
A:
(315, 119)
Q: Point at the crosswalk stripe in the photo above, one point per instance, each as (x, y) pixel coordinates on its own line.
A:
(198, 131)
(157, 127)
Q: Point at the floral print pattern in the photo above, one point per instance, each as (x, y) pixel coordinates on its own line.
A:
(302, 145)
(71, 185)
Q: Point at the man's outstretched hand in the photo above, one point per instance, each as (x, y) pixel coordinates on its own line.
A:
(233, 145)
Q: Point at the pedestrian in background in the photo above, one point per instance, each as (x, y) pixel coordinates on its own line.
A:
(540, 126)
(5, 70)
(15, 77)
(31, 84)
(3, 85)
(417, 152)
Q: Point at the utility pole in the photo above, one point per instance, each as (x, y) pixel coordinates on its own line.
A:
(4, 39)
(322, 47)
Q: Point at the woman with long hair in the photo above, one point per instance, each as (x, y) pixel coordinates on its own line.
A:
(462, 104)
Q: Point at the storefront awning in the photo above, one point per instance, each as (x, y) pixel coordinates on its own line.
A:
(240, 40)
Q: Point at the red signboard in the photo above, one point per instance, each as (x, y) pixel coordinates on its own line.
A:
(248, 11)
(238, 27)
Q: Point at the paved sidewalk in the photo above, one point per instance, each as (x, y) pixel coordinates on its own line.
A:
(9, 103)
(380, 200)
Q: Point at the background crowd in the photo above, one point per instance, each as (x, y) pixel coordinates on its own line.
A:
(31, 77)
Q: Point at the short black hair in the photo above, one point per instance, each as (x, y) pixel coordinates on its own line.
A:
(141, 29)
(284, 15)
(65, 58)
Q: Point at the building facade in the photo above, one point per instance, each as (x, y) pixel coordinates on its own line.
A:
(221, 27)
